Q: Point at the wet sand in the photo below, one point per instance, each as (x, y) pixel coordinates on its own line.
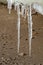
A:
(8, 39)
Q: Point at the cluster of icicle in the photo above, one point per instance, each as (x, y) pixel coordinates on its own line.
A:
(24, 9)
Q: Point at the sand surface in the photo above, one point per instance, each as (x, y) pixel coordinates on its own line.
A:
(8, 39)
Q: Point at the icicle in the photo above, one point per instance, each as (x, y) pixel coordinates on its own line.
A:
(30, 29)
(25, 12)
(9, 5)
(15, 6)
(9, 11)
(22, 10)
(18, 11)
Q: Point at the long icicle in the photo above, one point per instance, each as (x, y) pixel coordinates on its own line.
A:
(22, 10)
(18, 10)
(25, 12)
(30, 29)
(9, 5)
(15, 6)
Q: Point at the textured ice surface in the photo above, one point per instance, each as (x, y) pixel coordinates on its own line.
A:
(25, 1)
(38, 8)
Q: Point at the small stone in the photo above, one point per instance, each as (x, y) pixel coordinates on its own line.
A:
(16, 64)
(33, 37)
(11, 48)
(37, 33)
(13, 62)
(21, 54)
(24, 54)
(2, 58)
(34, 64)
(3, 47)
(4, 44)
(40, 64)
(8, 59)
(15, 58)
(26, 39)
(6, 41)
(3, 54)
(33, 30)
(2, 37)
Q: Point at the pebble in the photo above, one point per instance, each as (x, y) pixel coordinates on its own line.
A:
(21, 54)
(3, 54)
(26, 39)
(37, 33)
(34, 64)
(11, 48)
(14, 58)
(33, 30)
(4, 44)
(33, 37)
(40, 64)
